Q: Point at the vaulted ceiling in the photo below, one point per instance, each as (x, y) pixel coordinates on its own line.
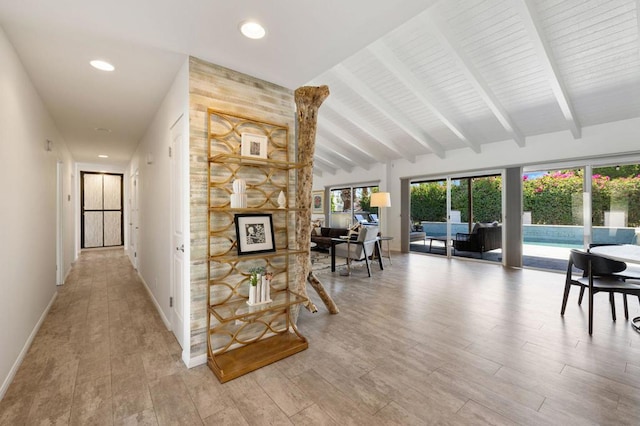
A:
(470, 72)
(407, 78)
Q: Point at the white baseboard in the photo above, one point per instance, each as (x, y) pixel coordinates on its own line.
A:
(23, 352)
(166, 321)
(196, 361)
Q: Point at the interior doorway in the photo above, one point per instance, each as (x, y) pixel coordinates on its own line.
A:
(102, 206)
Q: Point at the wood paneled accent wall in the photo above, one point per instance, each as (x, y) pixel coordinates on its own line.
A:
(213, 86)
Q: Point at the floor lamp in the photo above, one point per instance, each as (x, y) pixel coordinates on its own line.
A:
(380, 199)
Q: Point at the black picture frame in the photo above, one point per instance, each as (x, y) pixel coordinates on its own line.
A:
(254, 233)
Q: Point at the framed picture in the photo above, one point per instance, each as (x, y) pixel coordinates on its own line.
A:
(254, 233)
(253, 145)
(317, 202)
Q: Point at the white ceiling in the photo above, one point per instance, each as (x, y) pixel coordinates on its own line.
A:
(408, 77)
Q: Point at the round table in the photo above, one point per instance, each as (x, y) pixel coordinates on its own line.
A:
(624, 253)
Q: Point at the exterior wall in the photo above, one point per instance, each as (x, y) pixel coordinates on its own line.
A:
(212, 86)
(28, 213)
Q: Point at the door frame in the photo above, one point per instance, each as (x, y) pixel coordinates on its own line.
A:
(59, 223)
(82, 211)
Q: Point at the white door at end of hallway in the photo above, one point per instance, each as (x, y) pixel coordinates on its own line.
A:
(177, 233)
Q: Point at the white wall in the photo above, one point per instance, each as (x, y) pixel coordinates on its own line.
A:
(610, 139)
(28, 211)
(154, 246)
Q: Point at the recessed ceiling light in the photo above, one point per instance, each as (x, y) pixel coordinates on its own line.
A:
(102, 65)
(103, 156)
(252, 29)
(102, 129)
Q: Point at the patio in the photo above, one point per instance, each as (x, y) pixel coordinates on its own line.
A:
(534, 255)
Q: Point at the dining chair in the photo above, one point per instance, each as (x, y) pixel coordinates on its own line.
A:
(596, 275)
(629, 273)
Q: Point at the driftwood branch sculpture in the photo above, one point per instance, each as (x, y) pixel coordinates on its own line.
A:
(308, 100)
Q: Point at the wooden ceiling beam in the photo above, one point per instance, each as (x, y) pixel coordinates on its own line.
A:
(364, 125)
(474, 77)
(405, 76)
(334, 159)
(324, 165)
(366, 93)
(327, 126)
(545, 56)
(345, 152)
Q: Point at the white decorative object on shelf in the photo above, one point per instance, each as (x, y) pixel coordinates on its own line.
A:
(252, 294)
(282, 200)
(260, 294)
(269, 277)
(239, 186)
(263, 292)
(239, 196)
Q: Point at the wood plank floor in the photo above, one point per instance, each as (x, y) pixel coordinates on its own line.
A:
(426, 341)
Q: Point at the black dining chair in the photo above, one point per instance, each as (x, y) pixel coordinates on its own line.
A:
(629, 273)
(596, 275)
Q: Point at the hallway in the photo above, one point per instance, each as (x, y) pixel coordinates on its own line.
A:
(102, 355)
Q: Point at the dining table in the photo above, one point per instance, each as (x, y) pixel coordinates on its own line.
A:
(624, 253)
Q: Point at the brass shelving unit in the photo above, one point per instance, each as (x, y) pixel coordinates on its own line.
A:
(243, 338)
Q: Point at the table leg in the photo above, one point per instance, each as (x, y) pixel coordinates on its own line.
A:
(333, 256)
(380, 257)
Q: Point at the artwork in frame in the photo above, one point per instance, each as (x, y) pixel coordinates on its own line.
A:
(317, 202)
(253, 145)
(254, 233)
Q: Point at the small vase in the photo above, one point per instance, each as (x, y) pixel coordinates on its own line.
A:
(239, 186)
(264, 290)
(268, 287)
(252, 294)
(259, 289)
(282, 200)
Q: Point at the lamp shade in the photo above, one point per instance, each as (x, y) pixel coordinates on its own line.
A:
(380, 199)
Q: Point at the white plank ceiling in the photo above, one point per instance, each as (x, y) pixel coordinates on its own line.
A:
(470, 72)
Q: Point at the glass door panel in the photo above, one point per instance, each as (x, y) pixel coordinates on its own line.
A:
(615, 204)
(476, 217)
(428, 227)
(553, 216)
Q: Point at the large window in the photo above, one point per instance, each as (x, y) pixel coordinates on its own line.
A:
(352, 204)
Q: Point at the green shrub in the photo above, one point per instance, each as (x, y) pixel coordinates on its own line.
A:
(553, 199)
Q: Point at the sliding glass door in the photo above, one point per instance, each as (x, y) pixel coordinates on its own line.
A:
(615, 204)
(553, 216)
(471, 227)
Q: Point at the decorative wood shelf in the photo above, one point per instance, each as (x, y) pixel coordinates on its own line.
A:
(243, 338)
(236, 362)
